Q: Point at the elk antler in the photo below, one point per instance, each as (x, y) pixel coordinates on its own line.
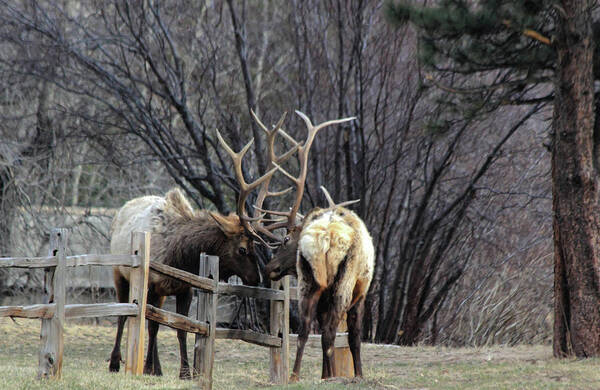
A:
(332, 204)
(252, 225)
(273, 162)
(273, 159)
(245, 188)
(303, 156)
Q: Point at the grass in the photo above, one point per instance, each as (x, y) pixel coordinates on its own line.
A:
(240, 365)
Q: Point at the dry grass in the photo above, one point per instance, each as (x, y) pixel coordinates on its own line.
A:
(239, 365)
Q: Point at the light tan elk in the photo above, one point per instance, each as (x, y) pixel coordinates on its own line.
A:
(332, 254)
(333, 257)
(182, 234)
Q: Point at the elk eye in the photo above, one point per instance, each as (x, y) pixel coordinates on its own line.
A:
(286, 239)
(242, 251)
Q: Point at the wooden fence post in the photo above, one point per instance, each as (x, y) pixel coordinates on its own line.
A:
(52, 339)
(280, 322)
(344, 365)
(204, 348)
(138, 291)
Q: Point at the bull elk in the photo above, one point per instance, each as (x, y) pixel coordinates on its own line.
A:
(180, 235)
(332, 254)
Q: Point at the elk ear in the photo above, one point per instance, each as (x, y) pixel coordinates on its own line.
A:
(230, 225)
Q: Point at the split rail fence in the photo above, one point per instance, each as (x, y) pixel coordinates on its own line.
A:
(54, 310)
(204, 326)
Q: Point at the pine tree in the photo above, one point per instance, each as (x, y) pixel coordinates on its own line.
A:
(512, 38)
(517, 47)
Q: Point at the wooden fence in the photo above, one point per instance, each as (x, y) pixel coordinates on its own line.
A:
(54, 310)
(204, 326)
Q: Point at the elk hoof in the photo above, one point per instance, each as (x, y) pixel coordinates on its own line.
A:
(294, 378)
(114, 366)
(115, 363)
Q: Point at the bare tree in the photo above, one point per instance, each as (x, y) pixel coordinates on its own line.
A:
(147, 82)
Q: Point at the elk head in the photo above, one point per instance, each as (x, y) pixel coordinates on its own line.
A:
(237, 254)
(284, 261)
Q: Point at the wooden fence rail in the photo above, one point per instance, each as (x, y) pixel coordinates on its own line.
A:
(54, 311)
(204, 326)
(71, 261)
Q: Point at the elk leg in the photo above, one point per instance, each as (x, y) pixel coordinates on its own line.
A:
(183, 307)
(122, 287)
(152, 365)
(321, 320)
(354, 320)
(308, 307)
(328, 333)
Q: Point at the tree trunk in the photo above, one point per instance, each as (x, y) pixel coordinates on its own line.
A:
(575, 188)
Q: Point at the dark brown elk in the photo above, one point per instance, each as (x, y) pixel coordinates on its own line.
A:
(332, 254)
(180, 235)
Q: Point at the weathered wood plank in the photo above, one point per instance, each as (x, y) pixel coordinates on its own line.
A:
(28, 262)
(30, 311)
(95, 259)
(176, 321)
(285, 330)
(249, 336)
(138, 289)
(314, 340)
(249, 291)
(275, 358)
(204, 348)
(71, 311)
(100, 310)
(52, 338)
(72, 261)
(279, 323)
(201, 315)
(208, 354)
(344, 365)
(202, 283)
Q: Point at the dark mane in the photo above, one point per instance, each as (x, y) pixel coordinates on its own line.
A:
(185, 238)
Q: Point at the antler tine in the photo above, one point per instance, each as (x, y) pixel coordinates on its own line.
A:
(328, 197)
(332, 204)
(273, 162)
(274, 212)
(245, 188)
(303, 155)
(279, 193)
(264, 190)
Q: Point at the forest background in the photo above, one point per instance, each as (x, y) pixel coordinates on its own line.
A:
(104, 101)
